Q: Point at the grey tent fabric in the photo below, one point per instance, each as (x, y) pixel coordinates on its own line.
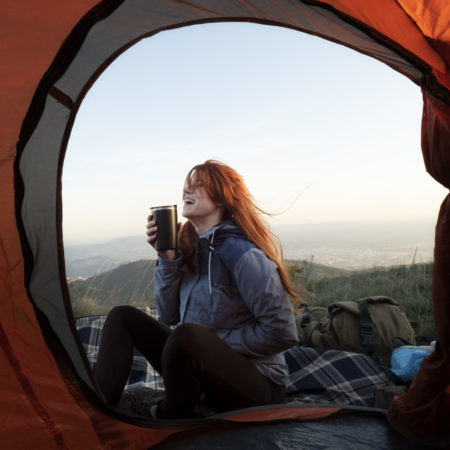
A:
(79, 63)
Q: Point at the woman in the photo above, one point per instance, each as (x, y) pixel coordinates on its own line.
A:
(226, 289)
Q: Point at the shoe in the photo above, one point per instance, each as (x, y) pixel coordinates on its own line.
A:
(141, 403)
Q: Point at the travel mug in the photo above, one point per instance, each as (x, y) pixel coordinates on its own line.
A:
(166, 221)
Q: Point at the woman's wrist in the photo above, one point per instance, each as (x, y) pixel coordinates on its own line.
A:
(168, 254)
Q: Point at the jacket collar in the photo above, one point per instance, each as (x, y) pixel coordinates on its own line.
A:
(227, 227)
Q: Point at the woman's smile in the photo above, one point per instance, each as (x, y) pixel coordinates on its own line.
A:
(200, 209)
(189, 201)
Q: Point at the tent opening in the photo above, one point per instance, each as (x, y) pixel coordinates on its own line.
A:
(320, 150)
(48, 383)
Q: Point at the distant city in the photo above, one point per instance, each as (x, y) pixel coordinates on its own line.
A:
(363, 258)
(359, 246)
(353, 246)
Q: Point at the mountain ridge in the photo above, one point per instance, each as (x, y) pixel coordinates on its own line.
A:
(353, 246)
(133, 282)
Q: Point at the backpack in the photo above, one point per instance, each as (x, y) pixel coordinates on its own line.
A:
(367, 326)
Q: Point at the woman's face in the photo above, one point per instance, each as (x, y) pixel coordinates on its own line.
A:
(198, 206)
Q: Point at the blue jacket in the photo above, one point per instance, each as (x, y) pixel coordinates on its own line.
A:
(236, 292)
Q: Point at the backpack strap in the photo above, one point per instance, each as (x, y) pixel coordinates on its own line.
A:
(307, 324)
(365, 324)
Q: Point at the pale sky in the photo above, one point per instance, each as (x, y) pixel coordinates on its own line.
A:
(290, 112)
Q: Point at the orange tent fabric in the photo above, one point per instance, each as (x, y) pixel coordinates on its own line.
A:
(51, 53)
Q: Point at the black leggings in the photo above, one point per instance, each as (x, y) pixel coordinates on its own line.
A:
(191, 359)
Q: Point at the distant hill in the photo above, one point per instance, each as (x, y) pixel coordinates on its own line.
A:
(352, 245)
(90, 266)
(130, 283)
(133, 283)
(124, 248)
(88, 260)
(309, 270)
(409, 285)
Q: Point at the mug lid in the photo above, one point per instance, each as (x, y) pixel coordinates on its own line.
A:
(156, 208)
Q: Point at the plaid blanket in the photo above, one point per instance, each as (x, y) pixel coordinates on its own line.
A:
(142, 373)
(315, 375)
(332, 376)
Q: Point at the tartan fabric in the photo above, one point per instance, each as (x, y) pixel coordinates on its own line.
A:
(142, 373)
(333, 376)
(315, 375)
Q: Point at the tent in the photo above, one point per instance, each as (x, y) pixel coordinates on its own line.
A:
(52, 53)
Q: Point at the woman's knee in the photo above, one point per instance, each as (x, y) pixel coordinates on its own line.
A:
(120, 314)
(187, 337)
(190, 332)
(121, 310)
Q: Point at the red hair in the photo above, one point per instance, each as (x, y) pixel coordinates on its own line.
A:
(226, 187)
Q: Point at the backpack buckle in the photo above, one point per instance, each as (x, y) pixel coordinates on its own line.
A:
(366, 331)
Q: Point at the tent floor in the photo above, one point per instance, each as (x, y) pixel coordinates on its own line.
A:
(347, 431)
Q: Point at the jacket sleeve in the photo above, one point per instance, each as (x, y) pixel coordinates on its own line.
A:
(167, 286)
(261, 289)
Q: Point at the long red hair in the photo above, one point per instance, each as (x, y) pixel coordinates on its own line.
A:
(226, 187)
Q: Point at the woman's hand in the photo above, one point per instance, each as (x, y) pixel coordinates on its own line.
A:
(152, 230)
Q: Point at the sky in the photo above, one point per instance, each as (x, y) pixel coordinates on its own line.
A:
(319, 132)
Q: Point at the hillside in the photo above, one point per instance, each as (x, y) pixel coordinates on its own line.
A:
(130, 283)
(89, 260)
(410, 286)
(87, 267)
(307, 269)
(349, 245)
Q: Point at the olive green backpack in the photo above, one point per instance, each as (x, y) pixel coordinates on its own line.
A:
(367, 326)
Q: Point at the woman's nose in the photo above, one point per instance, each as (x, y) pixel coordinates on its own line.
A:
(187, 190)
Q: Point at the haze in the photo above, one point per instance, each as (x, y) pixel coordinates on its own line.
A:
(320, 132)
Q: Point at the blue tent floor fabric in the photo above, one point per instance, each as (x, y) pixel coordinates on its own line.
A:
(357, 430)
(315, 375)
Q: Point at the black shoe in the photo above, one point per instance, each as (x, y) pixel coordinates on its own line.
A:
(141, 402)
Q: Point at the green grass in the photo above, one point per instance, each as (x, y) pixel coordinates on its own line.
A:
(85, 306)
(130, 284)
(409, 286)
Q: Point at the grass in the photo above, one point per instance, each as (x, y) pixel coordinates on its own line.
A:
(127, 284)
(408, 285)
(86, 306)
